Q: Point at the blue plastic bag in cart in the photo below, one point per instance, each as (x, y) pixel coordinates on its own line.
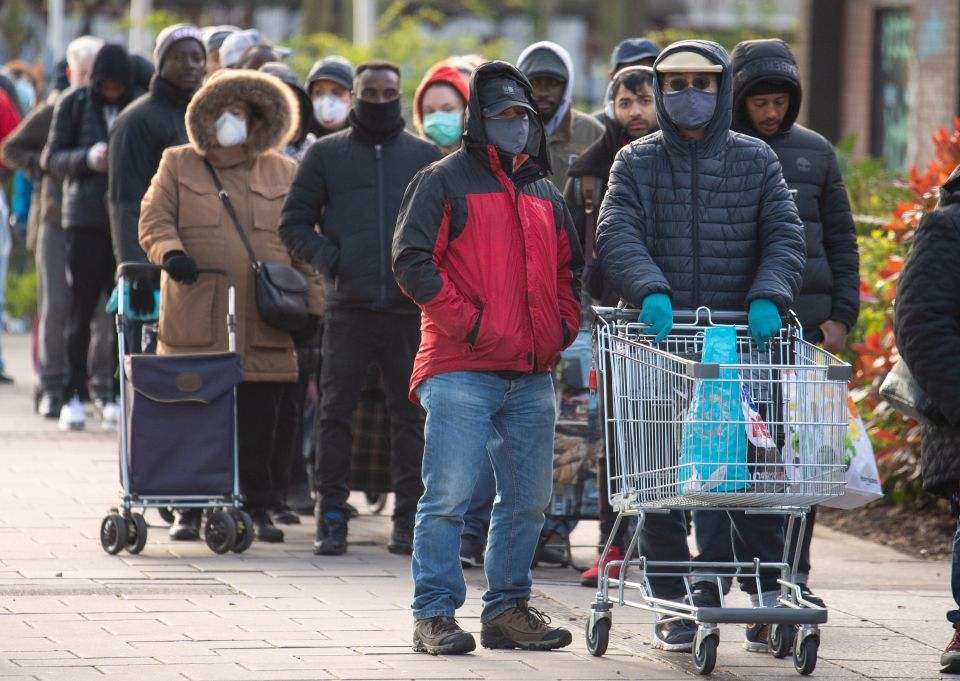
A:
(713, 455)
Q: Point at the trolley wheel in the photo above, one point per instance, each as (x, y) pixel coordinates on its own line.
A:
(781, 640)
(598, 639)
(220, 532)
(166, 513)
(376, 501)
(244, 524)
(705, 655)
(113, 533)
(805, 655)
(136, 533)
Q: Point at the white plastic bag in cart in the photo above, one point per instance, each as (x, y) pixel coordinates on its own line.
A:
(863, 478)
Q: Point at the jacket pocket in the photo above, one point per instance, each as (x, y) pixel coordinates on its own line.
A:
(198, 207)
(186, 313)
(267, 203)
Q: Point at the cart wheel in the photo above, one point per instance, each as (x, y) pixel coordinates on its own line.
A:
(244, 524)
(113, 533)
(220, 532)
(781, 640)
(376, 502)
(136, 533)
(705, 655)
(805, 655)
(598, 639)
(167, 514)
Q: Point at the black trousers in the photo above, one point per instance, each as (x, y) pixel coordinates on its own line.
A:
(664, 538)
(290, 426)
(352, 339)
(90, 271)
(258, 410)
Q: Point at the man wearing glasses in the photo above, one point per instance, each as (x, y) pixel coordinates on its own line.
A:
(698, 215)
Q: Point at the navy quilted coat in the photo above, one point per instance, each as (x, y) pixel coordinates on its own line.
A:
(708, 222)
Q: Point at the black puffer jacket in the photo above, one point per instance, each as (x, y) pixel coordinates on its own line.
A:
(352, 189)
(137, 140)
(708, 222)
(927, 327)
(79, 122)
(831, 277)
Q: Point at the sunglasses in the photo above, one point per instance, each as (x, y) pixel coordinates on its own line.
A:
(679, 84)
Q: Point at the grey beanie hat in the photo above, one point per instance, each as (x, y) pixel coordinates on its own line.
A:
(170, 36)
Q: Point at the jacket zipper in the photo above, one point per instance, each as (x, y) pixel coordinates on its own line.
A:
(695, 183)
(378, 149)
(532, 360)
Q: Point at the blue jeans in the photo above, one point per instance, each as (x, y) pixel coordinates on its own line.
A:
(953, 616)
(476, 521)
(474, 418)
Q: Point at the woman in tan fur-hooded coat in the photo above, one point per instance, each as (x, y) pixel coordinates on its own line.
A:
(183, 219)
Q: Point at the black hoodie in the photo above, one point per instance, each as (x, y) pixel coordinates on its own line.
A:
(927, 327)
(831, 277)
(80, 122)
(489, 255)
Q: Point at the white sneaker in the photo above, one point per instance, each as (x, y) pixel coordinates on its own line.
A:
(110, 416)
(72, 416)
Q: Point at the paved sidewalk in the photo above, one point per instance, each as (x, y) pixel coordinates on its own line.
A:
(177, 611)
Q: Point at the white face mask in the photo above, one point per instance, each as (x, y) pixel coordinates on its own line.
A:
(231, 130)
(330, 111)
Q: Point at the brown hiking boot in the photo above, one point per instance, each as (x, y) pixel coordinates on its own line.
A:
(525, 628)
(441, 636)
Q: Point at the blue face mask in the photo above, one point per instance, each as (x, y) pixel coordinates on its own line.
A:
(443, 127)
(28, 96)
(691, 108)
(509, 135)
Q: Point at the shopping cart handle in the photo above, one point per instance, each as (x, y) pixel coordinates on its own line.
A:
(133, 266)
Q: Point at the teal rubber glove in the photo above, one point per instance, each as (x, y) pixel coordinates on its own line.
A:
(764, 321)
(657, 314)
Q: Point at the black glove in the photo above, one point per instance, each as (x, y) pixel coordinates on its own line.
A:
(307, 336)
(181, 267)
(142, 290)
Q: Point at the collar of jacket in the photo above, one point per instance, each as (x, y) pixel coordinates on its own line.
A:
(529, 171)
(950, 191)
(370, 137)
(164, 89)
(229, 157)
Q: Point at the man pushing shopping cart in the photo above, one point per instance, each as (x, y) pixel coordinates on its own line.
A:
(698, 216)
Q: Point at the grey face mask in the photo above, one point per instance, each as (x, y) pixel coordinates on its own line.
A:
(691, 108)
(509, 135)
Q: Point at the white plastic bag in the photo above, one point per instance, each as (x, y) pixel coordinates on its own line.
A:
(863, 478)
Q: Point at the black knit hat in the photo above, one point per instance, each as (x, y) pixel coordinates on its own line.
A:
(170, 36)
(112, 63)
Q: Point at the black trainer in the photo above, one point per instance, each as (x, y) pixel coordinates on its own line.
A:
(441, 636)
(810, 596)
(471, 551)
(525, 628)
(331, 534)
(186, 525)
(705, 595)
(674, 635)
(401, 539)
(263, 527)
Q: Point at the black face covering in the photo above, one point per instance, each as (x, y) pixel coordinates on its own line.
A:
(378, 121)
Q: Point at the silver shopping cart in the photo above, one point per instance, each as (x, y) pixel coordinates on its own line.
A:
(178, 435)
(759, 431)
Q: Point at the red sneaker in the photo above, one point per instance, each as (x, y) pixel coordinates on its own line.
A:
(591, 577)
(950, 659)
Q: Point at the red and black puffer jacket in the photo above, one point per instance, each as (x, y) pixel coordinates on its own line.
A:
(489, 255)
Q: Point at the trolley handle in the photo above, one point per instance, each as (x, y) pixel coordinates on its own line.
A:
(133, 267)
(702, 316)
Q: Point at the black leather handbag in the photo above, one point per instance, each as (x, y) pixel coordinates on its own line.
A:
(281, 289)
(902, 392)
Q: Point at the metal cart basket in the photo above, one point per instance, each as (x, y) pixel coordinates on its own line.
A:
(757, 431)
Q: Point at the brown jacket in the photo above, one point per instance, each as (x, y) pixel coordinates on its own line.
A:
(571, 138)
(182, 211)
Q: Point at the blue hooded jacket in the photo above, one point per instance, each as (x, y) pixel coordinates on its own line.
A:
(707, 222)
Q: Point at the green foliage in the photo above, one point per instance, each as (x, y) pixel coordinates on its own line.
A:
(13, 28)
(874, 190)
(400, 38)
(21, 296)
(156, 21)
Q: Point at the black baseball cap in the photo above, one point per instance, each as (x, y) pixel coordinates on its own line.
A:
(633, 50)
(499, 94)
(544, 62)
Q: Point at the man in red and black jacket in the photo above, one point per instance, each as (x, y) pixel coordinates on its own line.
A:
(486, 247)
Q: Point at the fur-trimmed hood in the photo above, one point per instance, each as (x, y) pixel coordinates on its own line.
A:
(271, 102)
